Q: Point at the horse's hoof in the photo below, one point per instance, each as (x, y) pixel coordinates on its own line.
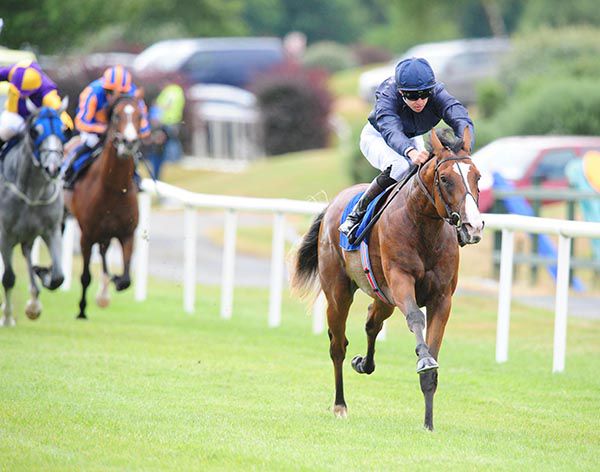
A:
(357, 364)
(81, 316)
(102, 302)
(121, 283)
(425, 364)
(55, 283)
(340, 411)
(7, 322)
(33, 309)
(428, 427)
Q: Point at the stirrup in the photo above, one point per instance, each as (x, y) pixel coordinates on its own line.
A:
(349, 232)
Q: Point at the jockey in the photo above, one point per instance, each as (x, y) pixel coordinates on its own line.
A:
(407, 106)
(26, 81)
(92, 116)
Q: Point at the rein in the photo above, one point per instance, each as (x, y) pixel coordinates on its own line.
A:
(399, 186)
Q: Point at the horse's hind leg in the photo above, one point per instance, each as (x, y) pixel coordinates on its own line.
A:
(8, 282)
(378, 313)
(124, 281)
(339, 298)
(103, 297)
(33, 309)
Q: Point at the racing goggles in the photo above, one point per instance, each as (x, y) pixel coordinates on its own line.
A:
(414, 95)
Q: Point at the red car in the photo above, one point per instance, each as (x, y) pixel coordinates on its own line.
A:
(529, 160)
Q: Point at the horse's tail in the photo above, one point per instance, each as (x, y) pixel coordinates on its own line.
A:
(305, 267)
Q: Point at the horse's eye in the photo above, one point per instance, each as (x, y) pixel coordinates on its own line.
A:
(444, 179)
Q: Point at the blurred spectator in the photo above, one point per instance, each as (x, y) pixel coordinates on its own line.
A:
(165, 121)
(294, 44)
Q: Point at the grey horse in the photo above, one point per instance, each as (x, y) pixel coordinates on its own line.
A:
(31, 204)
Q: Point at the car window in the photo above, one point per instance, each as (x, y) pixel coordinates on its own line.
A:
(552, 164)
(233, 67)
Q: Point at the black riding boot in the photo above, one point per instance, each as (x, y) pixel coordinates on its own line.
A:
(379, 184)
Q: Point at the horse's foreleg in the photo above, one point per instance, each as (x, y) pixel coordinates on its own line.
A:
(8, 282)
(378, 313)
(438, 313)
(54, 278)
(103, 297)
(33, 309)
(86, 277)
(403, 292)
(124, 281)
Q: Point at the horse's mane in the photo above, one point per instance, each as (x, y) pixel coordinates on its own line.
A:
(448, 139)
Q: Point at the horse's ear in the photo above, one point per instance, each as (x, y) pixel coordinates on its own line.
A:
(467, 140)
(64, 104)
(31, 107)
(436, 144)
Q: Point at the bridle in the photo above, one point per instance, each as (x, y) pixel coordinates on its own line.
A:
(452, 217)
(118, 140)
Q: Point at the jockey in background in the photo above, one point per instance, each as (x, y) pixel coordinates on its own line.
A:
(26, 81)
(92, 116)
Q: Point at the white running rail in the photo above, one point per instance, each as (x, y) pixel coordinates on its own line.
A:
(508, 224)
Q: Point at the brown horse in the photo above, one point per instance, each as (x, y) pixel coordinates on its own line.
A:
(414, 256)
(104, 199)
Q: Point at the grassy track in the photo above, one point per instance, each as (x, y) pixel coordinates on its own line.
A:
(147, 387)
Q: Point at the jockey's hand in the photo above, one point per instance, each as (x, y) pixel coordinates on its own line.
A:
(418, 157)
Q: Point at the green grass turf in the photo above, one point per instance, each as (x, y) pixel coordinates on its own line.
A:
(144, 386)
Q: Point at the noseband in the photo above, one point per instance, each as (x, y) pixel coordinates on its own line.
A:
(118, 137)
(452, 217)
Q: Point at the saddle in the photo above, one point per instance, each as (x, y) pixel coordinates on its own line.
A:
(363, 226)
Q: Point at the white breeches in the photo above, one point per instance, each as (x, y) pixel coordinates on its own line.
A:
(10, 124)
(381, 156)
(89, 139)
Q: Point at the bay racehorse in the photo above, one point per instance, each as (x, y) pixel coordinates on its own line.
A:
(32, 204)
(414, 252)
(104, 198)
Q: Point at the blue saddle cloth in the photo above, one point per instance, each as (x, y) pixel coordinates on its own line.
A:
(344, 244)
(82, 160)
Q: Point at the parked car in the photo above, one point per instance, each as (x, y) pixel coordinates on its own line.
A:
(459, 64)
(529, 160)
(228, 61)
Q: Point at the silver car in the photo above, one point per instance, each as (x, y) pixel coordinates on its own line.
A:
(459, 64)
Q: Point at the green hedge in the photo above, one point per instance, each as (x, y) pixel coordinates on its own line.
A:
(563, 106)
(330, 56)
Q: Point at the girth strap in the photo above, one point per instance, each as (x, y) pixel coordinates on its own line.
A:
(366, 265)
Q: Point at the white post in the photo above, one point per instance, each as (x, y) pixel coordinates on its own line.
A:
(189, 259)
(35, 251)
(319, 313)
(68, 243)
(278, 250)
(504, 294)
(562, 298)
(142, 247)
(227, 278)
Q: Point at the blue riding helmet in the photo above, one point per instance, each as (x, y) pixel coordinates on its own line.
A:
(414, 73)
